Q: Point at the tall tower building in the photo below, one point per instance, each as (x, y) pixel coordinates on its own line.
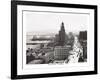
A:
(61, 40)
(60, 50)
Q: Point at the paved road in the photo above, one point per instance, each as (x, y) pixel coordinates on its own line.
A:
(76, 52)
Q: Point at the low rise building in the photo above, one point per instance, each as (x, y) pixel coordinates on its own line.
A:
(61, 52)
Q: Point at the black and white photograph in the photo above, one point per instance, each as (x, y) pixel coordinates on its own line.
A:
(53, 39)
(56, 37)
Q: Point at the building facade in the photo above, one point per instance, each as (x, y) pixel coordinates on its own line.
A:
(61, 52)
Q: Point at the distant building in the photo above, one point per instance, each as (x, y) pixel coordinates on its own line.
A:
(83, 35)
(61, 52)
(83, 41)
(61, 38)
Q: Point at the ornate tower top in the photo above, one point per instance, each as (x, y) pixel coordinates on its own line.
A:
(61, 35)
(62, 27)
(62, 24)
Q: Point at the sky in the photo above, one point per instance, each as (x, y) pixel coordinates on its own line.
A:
(50, 22)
